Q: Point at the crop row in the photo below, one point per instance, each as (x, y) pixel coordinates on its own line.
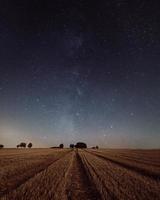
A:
(116, 182)
(145, 156)
(22, 167)
(127, 161)
(48, 184)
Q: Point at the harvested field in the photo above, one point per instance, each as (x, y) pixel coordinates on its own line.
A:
(116, 181)
(145, 162)
(16, 166)
(63, 174)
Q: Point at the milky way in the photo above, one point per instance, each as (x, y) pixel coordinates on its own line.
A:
(80, 71)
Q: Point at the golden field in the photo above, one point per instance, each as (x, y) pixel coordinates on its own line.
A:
(61, 174)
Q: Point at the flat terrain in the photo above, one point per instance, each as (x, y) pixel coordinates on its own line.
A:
(61, 174)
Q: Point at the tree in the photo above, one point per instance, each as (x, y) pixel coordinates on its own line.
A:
(61, 146)
(97, 147)
(30, 145)
(22, 144)
(71, 146)
(18, 145)
(1, 146)
(81, 145)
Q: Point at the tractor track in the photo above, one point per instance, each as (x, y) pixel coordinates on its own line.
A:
(78, 185)
(105, 192)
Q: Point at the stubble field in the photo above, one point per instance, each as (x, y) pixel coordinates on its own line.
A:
(61, 174)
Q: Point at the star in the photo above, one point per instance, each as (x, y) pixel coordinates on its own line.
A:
(113, 99)
(38, 99)
(111, 126)
(79, 92)
(131, 114)
(77, 114)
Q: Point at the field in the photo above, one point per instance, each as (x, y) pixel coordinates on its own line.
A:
(61, 174)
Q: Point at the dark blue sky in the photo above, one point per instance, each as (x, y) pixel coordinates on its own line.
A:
(77, 70)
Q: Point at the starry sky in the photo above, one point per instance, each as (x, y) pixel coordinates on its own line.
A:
(80, 71)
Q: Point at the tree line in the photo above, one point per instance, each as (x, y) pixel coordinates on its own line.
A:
(23, 145)
(29, 145)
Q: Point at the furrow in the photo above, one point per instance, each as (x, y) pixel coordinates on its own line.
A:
(31, 174)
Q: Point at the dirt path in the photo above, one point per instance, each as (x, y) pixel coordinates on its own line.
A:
(78, 186)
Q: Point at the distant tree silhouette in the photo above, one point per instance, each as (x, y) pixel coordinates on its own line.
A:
(30, 145)
(71, 146)
(81, 145)
(18, 145)
(1, 146)
(97, 147)
(61, 146)
(22, 144)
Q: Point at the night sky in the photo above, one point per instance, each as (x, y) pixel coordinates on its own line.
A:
(80, 71)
